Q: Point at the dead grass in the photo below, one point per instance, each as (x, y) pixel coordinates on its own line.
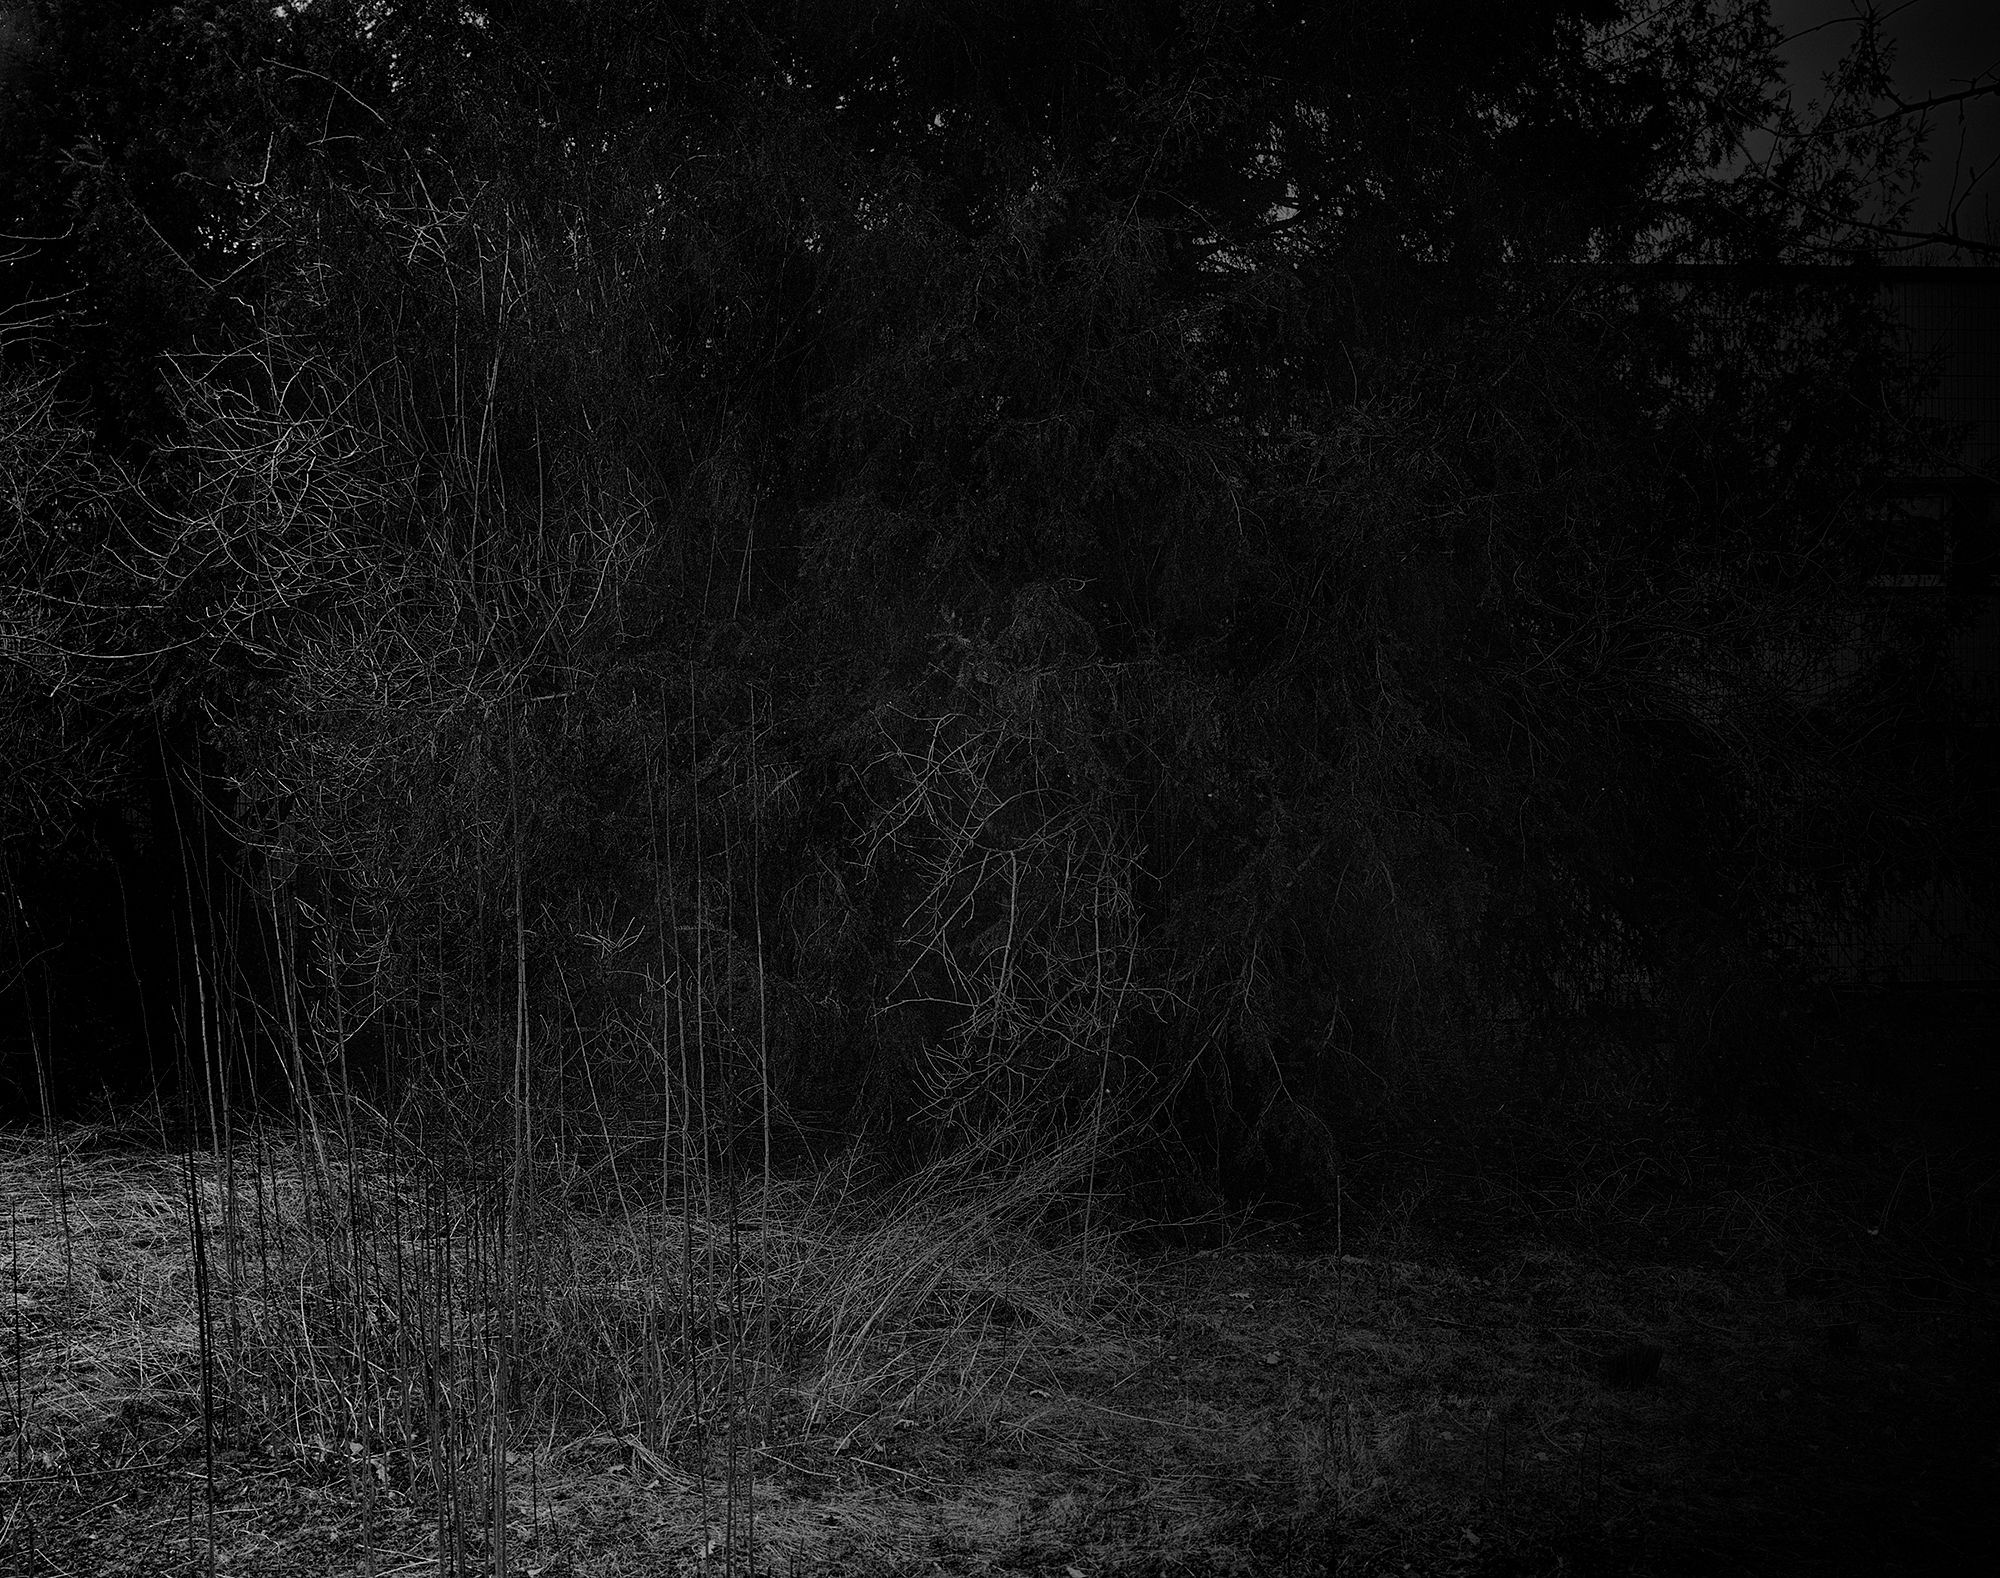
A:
(371, 1317)
(950, 1377)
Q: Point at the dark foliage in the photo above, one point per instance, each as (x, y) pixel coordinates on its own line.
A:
(937, 560)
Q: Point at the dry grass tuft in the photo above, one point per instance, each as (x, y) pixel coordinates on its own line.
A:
(445, 1340)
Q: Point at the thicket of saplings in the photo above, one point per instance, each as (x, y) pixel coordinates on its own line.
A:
(780, 751)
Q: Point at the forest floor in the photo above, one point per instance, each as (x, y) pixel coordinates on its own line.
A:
(1434, 1390)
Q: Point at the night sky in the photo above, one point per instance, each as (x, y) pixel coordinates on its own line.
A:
(1943, 46)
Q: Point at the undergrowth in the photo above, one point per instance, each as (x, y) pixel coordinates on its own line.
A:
(334, 1295)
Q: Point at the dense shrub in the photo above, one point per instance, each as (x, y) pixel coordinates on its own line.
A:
(888, 572)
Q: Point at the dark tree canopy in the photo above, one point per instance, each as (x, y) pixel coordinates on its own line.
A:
(989, 552)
